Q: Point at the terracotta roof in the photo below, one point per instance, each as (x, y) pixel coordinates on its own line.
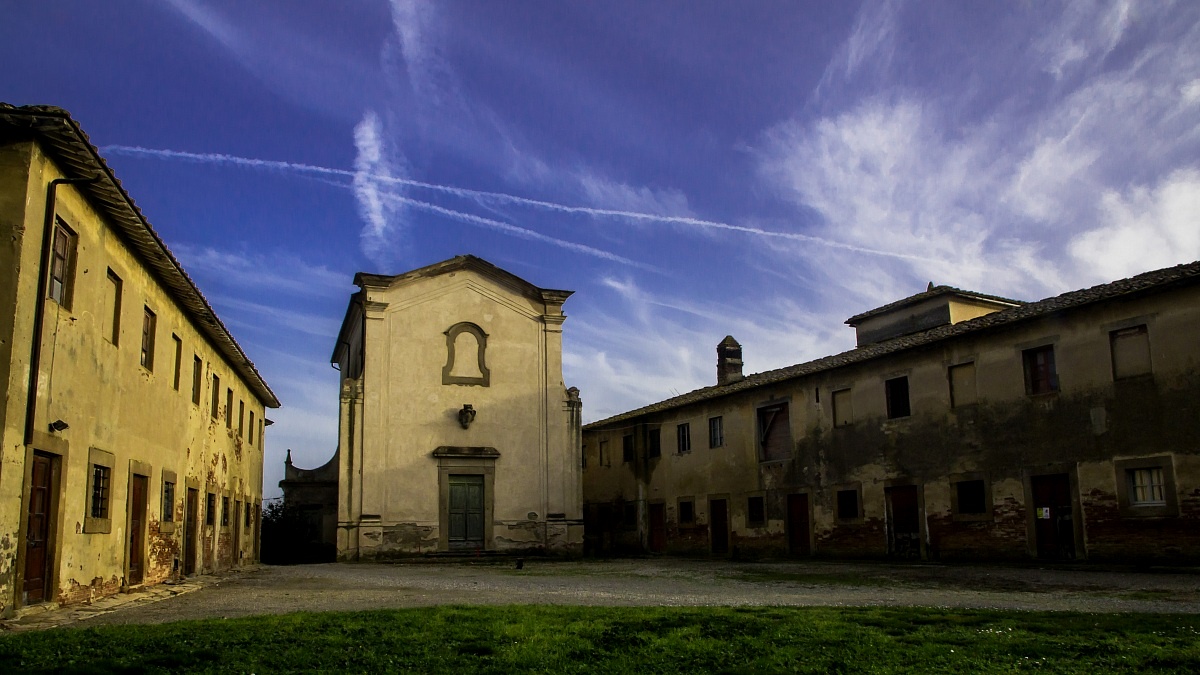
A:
(459, 262)
(931, 293)
(1142, 283)
(63, 140)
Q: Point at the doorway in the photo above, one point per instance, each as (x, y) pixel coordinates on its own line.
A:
(658, 528)
(236, 549)
(39, 516)
(1053, 521)
(137, 529)
(718, 526)
(191, 513)
(466, 511)
(797, 523)
(903, 522)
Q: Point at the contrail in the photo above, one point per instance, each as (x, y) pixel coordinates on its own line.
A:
(220, 158)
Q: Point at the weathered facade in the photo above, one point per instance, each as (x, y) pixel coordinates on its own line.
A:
(132, 422)
(456, 431)
(963, 426)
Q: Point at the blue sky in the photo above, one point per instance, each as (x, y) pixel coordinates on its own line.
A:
(690, 169)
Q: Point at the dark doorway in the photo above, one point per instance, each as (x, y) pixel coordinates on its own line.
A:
(903, 522)
(137, 529)
(466, 512)
(236, 551)
(718, 526)
(37, 540)
(658, 528)
(191, 513)
(1054, 527)
(797, 523)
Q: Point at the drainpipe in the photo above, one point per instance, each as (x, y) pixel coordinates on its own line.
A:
(35, 351)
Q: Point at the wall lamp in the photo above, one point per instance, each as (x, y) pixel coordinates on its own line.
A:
(466, 415)
(58, 425)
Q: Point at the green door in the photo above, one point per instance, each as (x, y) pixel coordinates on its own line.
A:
(466, 511)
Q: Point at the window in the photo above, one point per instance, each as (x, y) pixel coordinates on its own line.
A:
(241, 419)
(687, 511)
(112, 308)
(210, 509)
(250, 438)
(583, 458)
(972, 497)
(654, 443)
(62, 264)
(630, 520)
(466, 348)
(774, 432)
(149, 324)
(229, 408)
(755, 511)
(716, 433)
(216, 397)
(843, 415)
(1130, 352)
(847, 504)
(101, 478)
(224, 511)
(603, 457)
(260, 433)
(627, 448)
(197, 373)
(896, 390)
(962, 385)
(178, 360)
(1040, 375)
(683, 438)
(246, 513)
(1146, 487)
(168, 499)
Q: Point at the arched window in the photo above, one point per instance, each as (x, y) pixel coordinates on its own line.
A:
(466, 345)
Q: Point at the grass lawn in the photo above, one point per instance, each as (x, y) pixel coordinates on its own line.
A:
(634, 640)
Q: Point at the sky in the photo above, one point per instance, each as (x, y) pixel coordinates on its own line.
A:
(691, 169)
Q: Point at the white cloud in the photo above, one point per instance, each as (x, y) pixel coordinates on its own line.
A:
(374, 167)
(275, 272)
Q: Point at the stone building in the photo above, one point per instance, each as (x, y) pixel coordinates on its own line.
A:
(962, 426)
(132, 423)
(456, 431)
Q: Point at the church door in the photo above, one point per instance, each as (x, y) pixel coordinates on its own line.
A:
(466, 511)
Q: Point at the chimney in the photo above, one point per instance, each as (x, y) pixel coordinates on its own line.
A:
(729, 361)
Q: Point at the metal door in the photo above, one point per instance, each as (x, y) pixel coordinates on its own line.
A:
(466, 511)
(1054, 527)
(718, 526)
(137, 529)
(37, 537)
(797, 513)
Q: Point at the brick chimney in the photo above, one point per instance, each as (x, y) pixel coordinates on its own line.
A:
(729, 361)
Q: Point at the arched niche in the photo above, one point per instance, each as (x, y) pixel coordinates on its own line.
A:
(466, 347)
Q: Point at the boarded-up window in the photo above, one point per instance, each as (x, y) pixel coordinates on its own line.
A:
(112, 308)
(654, 443)
(149, 328)
(197, 373)
(774, 432)
(1130, 352)
(755, 511)
(178, 360)
(962, 385)
(716, 432)
(683, 438)
(843, 414)
(1040, 374)
(897, 397)
(602, 456)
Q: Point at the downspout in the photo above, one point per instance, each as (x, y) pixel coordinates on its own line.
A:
(35, 351)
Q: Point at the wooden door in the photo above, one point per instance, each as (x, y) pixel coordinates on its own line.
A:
(37, 534)
(466, 511)
(137, 529)
(718, 526)
(797, 523)
(903, 521)
(191, 514)
(658, 528)
(1054, 526)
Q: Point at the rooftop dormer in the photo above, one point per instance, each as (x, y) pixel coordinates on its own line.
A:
(937, 306)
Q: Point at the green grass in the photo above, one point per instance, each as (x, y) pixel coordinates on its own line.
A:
(634, 640)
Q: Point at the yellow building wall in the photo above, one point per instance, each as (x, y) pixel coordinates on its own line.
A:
(112, 404)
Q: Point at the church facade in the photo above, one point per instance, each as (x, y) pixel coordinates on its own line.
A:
(456, 432)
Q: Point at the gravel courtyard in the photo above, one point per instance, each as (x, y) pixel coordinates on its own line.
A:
(275, 590)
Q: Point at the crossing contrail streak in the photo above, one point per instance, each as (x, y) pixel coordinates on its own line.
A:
(220, 158)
